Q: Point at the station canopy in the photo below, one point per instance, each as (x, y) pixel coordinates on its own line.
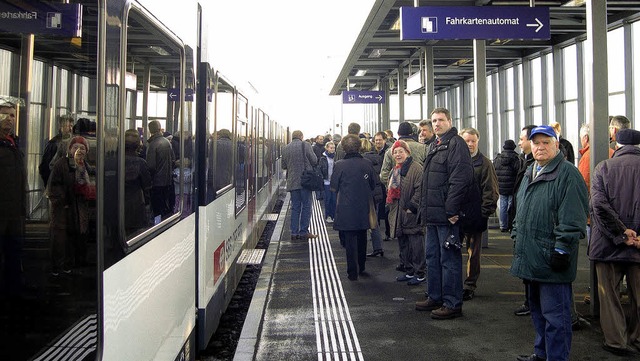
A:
(379, 52)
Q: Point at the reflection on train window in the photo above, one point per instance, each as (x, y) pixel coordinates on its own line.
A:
(221, 139)
(151, 118)
(241, 153)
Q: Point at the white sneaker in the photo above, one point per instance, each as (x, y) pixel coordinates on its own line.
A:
(329, 220)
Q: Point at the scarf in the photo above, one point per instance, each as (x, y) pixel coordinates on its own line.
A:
(393, 190)
(330, 155)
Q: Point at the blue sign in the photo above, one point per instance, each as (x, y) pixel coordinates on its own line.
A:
(35, 17)
(474, 22)
(363, 97)
(173, 94)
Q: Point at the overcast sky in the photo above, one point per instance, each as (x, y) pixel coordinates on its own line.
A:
(274, 43)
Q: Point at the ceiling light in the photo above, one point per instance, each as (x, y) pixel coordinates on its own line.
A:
(361, 72)
(376, 53)
(158, 49)
(396, 25)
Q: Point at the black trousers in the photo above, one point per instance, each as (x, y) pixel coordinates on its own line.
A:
(355, 243)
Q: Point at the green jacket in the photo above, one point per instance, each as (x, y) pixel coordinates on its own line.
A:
(551, 213)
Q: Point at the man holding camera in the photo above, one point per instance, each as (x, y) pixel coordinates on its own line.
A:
(551, 217)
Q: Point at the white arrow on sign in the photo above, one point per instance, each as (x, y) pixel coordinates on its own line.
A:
(379, 97)
(539, 25)
(172, 95)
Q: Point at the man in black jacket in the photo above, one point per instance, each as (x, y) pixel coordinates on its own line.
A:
(65, 122)
(448, 173)
(507, 165)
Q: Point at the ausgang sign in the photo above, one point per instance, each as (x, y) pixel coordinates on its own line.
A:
(474, 22)
(363, 97)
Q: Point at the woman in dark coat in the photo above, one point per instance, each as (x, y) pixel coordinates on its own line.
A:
(70, 191)
(354, 181)
(137, 184)
(403, 198)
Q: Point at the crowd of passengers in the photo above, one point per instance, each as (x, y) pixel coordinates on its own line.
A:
(434, 191)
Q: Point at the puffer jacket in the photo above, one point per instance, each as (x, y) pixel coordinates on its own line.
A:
(551, 213)
(615, 206)
(447, 175)
(507, 165)
(400, 221)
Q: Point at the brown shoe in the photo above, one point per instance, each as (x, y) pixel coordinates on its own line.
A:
(445, 313)
(309, 235)
(428, 305)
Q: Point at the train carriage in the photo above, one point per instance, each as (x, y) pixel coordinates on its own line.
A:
(136, 285)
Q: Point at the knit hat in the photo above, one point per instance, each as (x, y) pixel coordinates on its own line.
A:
(401, 143)
(79, 139)
(405, 129)
(509, 145)
(628, 137)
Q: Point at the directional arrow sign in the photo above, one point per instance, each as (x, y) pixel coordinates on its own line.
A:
(363, 97)
(474, 22)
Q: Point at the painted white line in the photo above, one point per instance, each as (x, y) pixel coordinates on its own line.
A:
(336, 337)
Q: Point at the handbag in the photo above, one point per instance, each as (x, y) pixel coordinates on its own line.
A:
(311, 179)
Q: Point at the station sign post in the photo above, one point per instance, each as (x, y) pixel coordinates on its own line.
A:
(363, 97)
(474, 22)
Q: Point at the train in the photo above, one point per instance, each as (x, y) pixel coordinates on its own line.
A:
(150, 292)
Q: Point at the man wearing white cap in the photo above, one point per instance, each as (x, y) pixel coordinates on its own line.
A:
(551, 218)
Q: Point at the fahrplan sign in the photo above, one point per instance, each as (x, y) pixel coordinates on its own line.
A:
(474, 22)
(49, 19)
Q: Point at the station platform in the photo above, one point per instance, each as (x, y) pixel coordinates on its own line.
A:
(305, 308)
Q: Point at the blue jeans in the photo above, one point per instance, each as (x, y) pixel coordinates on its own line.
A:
(505, 203)
(300, 212)
(376, 238)
(550, 305)
(329, 202)
(444, 266)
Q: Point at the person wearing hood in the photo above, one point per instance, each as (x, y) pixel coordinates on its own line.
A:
(507, 165)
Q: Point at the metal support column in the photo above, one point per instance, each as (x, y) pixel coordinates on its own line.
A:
(429, 86)
(597, 101)
(400, 87)
(480, 77)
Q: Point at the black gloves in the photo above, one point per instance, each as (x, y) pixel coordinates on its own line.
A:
(560, 261)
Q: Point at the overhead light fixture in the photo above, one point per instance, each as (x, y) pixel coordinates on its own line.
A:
(574, 3)
(501, 42)
(352, 85)
(158, 49)
(376, 53)
(361, 72)
(460, 62)
(396, 25)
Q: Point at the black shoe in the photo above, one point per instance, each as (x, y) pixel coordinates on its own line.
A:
(532, 357)
(620, 351)
(352, 278)
(523, 310)
(467, 295)
(376, 253)
(504, 230)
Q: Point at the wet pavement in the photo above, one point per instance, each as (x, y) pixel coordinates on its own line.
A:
(305, 308)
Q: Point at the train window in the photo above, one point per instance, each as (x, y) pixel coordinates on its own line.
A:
(242, 114)
(262, 149)
(251, 160)
(222, 138)
(149, 165)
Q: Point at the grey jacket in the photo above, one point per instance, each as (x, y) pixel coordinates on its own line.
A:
(160, 161)
(293, 160)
